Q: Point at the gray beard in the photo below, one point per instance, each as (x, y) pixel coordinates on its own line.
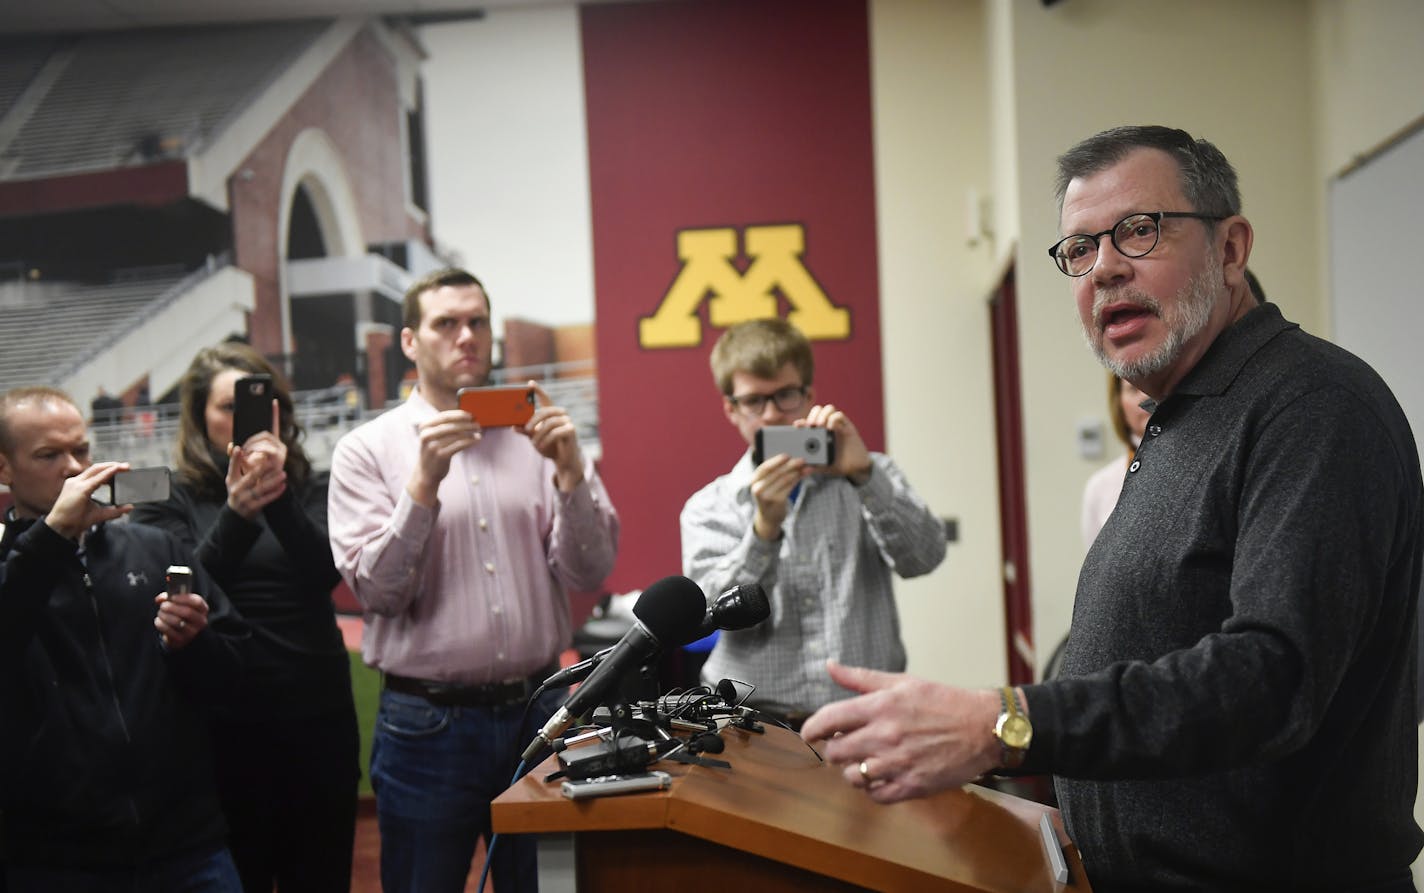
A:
(1193, 312)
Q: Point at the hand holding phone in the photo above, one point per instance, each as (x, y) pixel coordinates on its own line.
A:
(80, 505)
(182, 613)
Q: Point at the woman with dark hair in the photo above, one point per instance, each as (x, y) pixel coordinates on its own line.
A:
(255, 515)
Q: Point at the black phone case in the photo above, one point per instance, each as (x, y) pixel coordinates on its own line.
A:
(251, 407)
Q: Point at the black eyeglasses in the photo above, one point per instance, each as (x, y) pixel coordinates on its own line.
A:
(788, 399)
(1133, 236)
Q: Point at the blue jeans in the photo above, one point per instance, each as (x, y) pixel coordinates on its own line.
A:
(205, 871)
(435, 771)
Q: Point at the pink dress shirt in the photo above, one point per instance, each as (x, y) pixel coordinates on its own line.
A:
(474, 589)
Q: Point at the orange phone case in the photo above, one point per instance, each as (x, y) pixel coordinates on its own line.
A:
(498, 407)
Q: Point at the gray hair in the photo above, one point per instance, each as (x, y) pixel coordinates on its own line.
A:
(1208, 179)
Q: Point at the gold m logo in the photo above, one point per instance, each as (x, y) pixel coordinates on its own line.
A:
(733, 296)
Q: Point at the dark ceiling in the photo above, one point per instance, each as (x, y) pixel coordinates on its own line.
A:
(30, 16)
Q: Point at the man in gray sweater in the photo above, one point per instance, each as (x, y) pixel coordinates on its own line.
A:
(1236, 707)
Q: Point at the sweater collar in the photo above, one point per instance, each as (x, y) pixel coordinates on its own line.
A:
(1231, 350)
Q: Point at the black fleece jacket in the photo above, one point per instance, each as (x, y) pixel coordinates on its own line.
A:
(104, 754)
(278, 572)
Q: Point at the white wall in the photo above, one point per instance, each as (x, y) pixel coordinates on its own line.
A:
(931, 151)
(1368, 70)
(1369, 75)
(508, 158)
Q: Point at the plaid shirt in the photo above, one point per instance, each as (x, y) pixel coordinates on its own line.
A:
(828, 578)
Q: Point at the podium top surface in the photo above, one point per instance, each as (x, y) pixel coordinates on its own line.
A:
(778, 801)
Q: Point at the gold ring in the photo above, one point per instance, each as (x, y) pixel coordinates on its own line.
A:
(865, 772)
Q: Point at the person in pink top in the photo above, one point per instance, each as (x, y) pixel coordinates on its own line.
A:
(1129, 422)
(461, 545)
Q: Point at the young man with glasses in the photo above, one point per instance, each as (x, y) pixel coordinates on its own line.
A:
(1236, 704)
(821, 540)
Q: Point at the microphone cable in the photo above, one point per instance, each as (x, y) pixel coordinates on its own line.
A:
(494, 837)
(727, 690)
(523, 718)
(519, 772)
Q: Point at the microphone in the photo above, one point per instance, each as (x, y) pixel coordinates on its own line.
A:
(741, 607)
(669, 612)
(618, 756)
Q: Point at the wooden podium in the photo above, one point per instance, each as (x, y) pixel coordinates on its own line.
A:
(780, 820)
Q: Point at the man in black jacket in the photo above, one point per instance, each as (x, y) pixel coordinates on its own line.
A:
(1236, 705)
(105, 774)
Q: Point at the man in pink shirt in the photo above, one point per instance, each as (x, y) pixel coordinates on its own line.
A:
(460, 543)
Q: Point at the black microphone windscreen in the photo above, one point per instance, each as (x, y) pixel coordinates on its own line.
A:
(672, 610)
(727, 692)
(754, 605)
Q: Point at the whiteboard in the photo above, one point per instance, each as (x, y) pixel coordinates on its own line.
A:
(1376, 265)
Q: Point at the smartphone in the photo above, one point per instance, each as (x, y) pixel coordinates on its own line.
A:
(816, 445)
(251, 407)
(498, 407)
(604, 785)
(136, 485)
(179, 579)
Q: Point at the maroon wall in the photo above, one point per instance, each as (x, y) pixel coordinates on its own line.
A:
(730, 115)
(155, 184)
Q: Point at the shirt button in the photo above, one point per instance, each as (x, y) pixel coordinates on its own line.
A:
(1136, 464)
(808, 603)
(484, 525)
(1154, 430)
(474, 479)
(489, 566)
(495, 609)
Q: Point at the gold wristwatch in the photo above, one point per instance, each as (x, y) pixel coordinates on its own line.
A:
(1013, 729)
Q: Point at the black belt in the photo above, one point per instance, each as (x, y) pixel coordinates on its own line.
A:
(486, 694)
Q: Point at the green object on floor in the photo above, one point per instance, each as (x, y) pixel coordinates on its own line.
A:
(366, 688)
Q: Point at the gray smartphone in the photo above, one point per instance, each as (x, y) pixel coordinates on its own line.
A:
(251, 407)
(136, 485)
(179, 579)
(605, 785)
(815, 445)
